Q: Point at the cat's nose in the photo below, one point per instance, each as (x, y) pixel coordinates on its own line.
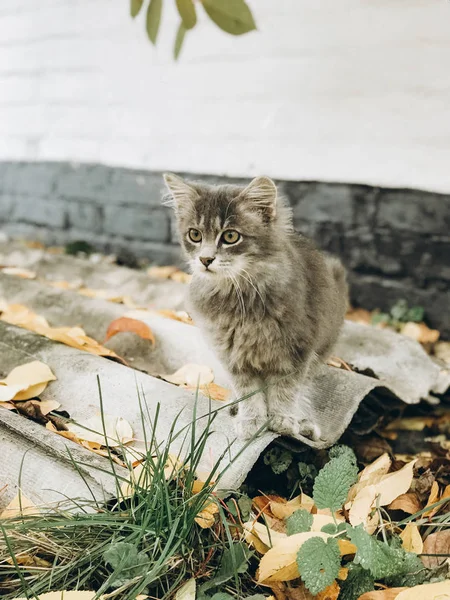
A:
(207, 260)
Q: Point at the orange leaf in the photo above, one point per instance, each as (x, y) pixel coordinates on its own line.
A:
(408, 503)
(433, 497)
(127, 325)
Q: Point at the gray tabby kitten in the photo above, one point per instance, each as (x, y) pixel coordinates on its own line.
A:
(270, 303)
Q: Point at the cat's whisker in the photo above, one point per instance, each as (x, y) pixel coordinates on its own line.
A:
(250, 281)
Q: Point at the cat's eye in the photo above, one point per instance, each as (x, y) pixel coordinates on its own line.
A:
(195, 235)
(230, 236)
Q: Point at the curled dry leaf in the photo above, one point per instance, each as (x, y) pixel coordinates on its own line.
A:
(433, 497)
(20, 315)
(408, 503)
(176, 315)
(283, 510)
(26, 381)
(280, 562)
(411, 539)
(19, 272)
(262, 537)
(191, 375)
(19, 505)
(372, 474)
(207, 516)
(420, 332)
(330, 593)
(127, 325)
(429, 591)
(187, 591)
(214, 391)
(361, 510)
(28, 560)
(436, 543)
(118, 430)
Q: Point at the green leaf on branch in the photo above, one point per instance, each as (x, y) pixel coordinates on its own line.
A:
(181, 32)
(358, 582)
(233, 16)
(299, 522)
(154, 19)
(186, 10)
(318, 563)
(379, 558)
(335, 479)
(135, 7)
(126, 561)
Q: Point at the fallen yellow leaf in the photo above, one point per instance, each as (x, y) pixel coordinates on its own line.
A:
(420, 332)
(19, 505)
(282, 510)
(17, 314)
(207, 516)
(26, 381)
(408, 503)
(213, 391)
(411, 539)
(191, 375)
(429, 591)
(280, 562)
(433, 497)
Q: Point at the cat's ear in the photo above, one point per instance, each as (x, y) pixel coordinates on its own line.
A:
(179, 190)
(261, 194)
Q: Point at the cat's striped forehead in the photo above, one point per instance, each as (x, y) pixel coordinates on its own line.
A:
(216, 208)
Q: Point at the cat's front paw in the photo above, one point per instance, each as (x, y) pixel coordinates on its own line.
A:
(246, 428)
(287, 425)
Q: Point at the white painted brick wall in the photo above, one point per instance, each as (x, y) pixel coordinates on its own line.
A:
(340, 90)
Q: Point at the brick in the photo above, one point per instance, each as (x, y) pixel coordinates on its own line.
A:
(83, 182)
(322, 203)
(28, 179)
(136, 187)
(137, 223)
(421, 212)
(84, 216)
(39, 211)
(6, 203)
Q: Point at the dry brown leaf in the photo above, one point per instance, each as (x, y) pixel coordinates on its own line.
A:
(207, 516)
(429, 591)
(162, 272)
(118, 430)
(420, 332)
(261, 536)
(329, 593)
(371, 475)
(387, 594)
(28, 560)
(283, 510)
(343, 574)
(26, 381)
(433, 497)
(127, 325)
(411, 424)
(20, 315)
(436, 543)
(19, 505)
(176, 315)
(280, 562)
(359, 315)
(392, 485)
(411, 539)
(408, 503)
(191, 375)
(7, 405)
(213, 391)
(19, 272)
(361, 510)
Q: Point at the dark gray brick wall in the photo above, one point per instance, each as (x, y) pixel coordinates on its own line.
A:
(395, 243)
